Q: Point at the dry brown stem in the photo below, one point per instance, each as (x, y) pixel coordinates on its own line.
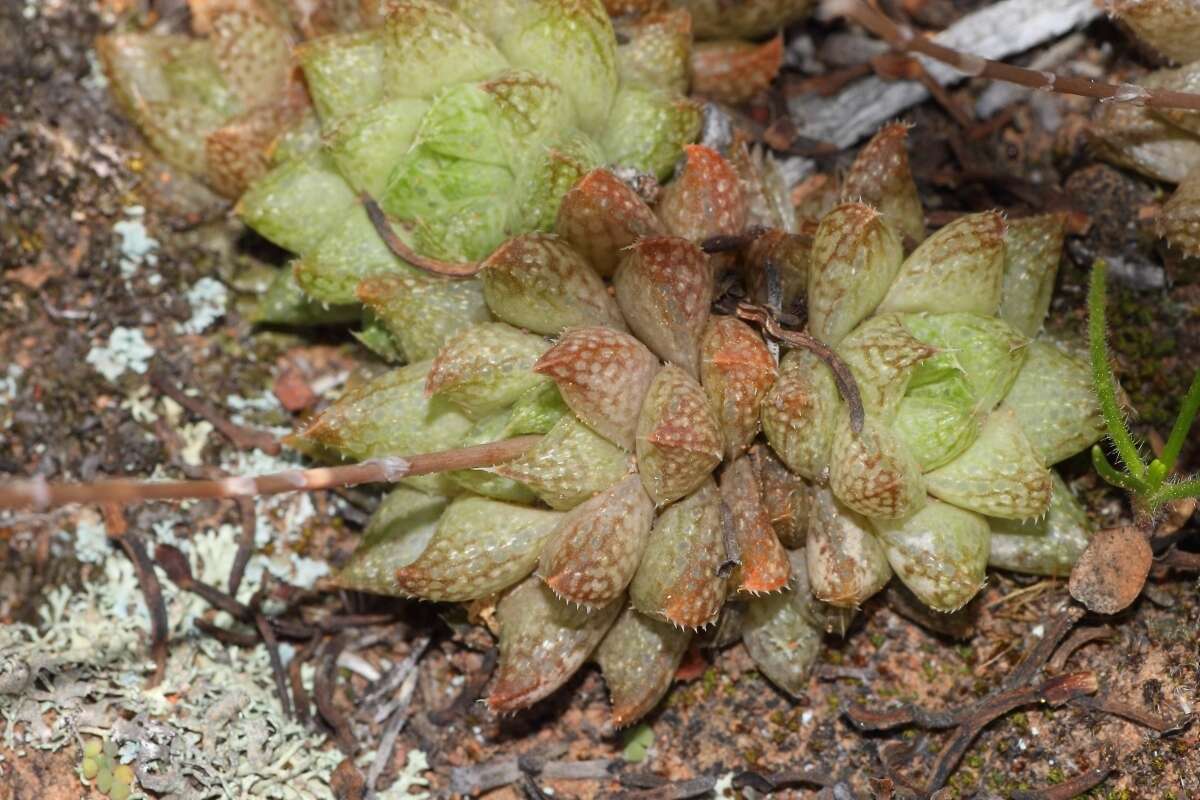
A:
(40, 495)
(905, 39)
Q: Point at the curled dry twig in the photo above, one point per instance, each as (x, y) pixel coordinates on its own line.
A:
(841, 373)
(905, 39)
(447, 269)
(1074, 787)
(1015, 691)
(240, 436)
(152, 591)
(324, 686)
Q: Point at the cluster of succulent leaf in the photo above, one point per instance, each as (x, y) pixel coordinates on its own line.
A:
(467, 120)
(1163, 144)
(613, 536)
(651, 508)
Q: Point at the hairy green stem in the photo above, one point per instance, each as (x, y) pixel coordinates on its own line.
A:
(1103, 378)
(1110, 474)
(1176, 491)
(1183, 424)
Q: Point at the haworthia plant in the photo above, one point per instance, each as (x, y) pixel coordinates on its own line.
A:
(517, 142)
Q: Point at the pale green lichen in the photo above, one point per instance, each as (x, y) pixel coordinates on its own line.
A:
(213, 728)
(91, 540)
(10, 381)
(208, 298)
(126, 351)
(137, 246)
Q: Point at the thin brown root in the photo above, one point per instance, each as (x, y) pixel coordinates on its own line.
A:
(152, 590)
(239, 436)
(324, 686)
(272, 644)
(1117, 708)
(447, 269)
(1074, 787)
(1041, 653)
(1075, 641)
(1054, 691)
(245, 544)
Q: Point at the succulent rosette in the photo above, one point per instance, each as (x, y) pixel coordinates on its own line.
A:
(685, 478)
(650, 507)
(966, 405)
(467, 121)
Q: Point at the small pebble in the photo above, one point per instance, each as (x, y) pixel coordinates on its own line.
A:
(90, 767)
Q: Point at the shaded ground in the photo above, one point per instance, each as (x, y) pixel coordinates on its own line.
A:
(74, 170)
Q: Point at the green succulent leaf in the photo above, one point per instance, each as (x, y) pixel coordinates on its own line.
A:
(451, 208)
(799, 414)
(782, 634)
(1049, 545)
(349, 252)
(538, 410)
(367, 145)
(378, 339)
(999, 475)
(285, 303)
(537, 282)
(1055, 403)
(297, 203)
(426, 46)
(485, 482)
(486, 367)
(174, 89)
(855, 257)
(596, 548)
(873, 473)
(638, 657)
(941, 553)
(543, 641)
(344, 72)
(399, 531)
(846, 562)
(569, 465)
(573, 39)
(936, 419)
(476, 548)
(654, 51)
(388, 416)
(648, 128)
(883, 356)
(297, 140)
(547, 173)
(988, 349)
(678, 579)
(1033, 250)
(423, 313)
(958, 268)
